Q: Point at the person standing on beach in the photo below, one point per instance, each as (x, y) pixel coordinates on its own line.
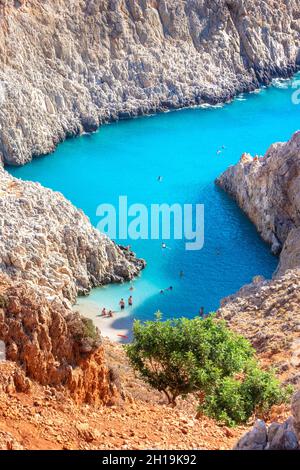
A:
(122, 304)
(103, 313)
(130, 301)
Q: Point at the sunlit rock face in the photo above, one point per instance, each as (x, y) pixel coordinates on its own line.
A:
(267, 312)
(44, 239)
(53, 345)
(68, 65)
(267, 189)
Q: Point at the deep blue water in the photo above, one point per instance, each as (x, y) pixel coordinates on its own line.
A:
(125, 158)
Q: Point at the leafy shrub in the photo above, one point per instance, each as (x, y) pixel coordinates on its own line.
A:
(84, 332)
(89, 329)
(234, 400)
(182, 356)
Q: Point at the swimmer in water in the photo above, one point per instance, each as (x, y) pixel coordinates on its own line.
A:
(159, 179)
(130, 301)
(103, 313)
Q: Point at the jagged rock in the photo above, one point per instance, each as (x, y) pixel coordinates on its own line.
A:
(296, 413)
(256, 439)
(22, 383)
(282, 437)
(67, 66)
(267, 189)
(276, 437)
(53, 344)
(46, 240)
(86, 433)
(267, 312)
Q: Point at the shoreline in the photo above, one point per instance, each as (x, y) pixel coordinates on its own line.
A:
(117, 329)
(198, 101)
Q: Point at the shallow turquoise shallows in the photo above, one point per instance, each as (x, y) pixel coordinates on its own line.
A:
(126, 158)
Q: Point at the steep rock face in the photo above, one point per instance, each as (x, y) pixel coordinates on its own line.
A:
(54, 345)
(267, 312)
(268, 190)
(46, 240)
(68, 65)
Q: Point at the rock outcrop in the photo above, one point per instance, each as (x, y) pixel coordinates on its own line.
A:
(267, 189)
(275, 437)
(267, 312)
(49, 254)
(54, 345)
(66, 66)
(46, 240)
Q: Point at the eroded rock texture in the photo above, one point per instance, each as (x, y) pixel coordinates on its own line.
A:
(46, 240)
(68, 65)
(268, 190)
(54, 345)
(267, 312)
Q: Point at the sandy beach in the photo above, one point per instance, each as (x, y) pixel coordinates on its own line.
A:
(117, 329)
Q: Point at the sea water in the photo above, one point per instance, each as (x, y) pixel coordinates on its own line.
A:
(127, 157)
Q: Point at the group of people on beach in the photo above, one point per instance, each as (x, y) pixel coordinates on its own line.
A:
(123, 305)
(110, 313)
(106, 313)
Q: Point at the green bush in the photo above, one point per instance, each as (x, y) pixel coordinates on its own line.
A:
(182, 356)
(235, 400)
(89, 329)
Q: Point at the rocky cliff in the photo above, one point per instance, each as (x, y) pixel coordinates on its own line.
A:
(46, 240)
(267, 189)
(68, 65)
(49, 254)
(267, 312)
(54, 345)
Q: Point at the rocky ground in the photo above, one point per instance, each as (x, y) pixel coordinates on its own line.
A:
(68, 65)
(268, 314)
(44, 418)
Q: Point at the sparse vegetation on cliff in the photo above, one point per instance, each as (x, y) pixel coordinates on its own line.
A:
(181, 356)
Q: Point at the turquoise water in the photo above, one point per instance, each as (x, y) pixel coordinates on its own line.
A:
(126, 158)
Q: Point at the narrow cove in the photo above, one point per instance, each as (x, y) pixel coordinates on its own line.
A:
(184, 148)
